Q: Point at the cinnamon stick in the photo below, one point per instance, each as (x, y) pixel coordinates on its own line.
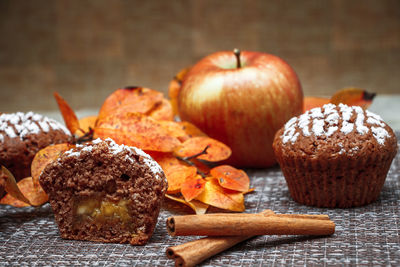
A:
(192, 253)
(248, 225)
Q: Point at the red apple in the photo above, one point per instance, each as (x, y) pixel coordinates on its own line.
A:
(241, 99)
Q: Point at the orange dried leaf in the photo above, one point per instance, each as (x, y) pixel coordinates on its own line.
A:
(216, 150)
(166, 160)
(251, 190)
(131, 99)
(173, 128)
(7, 180)
(192, 187)
(231, 178)
(86, 123)
(201, 166)
(314, 102)
(44, 157)
(35, 195)
(176, 175)
(181, 130)
(162, 111)
(222, 198)
(190, 129)
(174, 87)
(197, 206)
(353, 97)
(135, 129)
(69, 116)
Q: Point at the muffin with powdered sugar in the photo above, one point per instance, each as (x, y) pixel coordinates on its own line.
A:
(105, 192)
(335, 156)
(24, 134)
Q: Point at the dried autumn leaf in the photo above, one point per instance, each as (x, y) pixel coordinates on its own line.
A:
(314, 102)
(349, 96)
(216, 151)
(7, 180)
(178, 174)
(135, 129)
(44, 157)
(165, 160)
(69, 116)
(181, 130)
(174, 87)
(231, 178)
(197, 206)
(130, 99)
(35, 195)
(353, 97)
(192, 187)
(86, 124)
(222, 198)
(201, 166)
(251, 190)
(190, 129)
(162, 111)
(173, 128)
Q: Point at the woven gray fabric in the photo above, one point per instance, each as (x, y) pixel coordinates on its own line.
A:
(365, 236)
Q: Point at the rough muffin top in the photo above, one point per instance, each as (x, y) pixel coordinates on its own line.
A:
(110, 147)
(21, 124)
(100, 157)
(333, 130)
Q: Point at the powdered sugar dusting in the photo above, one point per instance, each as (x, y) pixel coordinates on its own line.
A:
(342, 150)
(374, 121)
(380, 134)
(331, 130)
(115, 149)
(147, 160)
(347, 112)
(289, 133)
(71, 153)
(318, 127)
(21, 124)
(97, 141)
(333, 118)
(347, 127)
(10, 132)
(304, 121)
(316, 113)
(325, 122)
(154, 166)
(329, 108)
(361, 128)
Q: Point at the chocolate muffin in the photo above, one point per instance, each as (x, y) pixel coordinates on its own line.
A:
(104, 192)
(24, 134)
(335, 156)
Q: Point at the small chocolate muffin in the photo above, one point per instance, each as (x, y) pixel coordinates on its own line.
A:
(104, 192)
(24, 134)
(335, 156)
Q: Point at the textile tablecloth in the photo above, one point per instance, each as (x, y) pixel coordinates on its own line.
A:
(365, 236)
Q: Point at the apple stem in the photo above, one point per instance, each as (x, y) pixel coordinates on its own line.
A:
(236, 51)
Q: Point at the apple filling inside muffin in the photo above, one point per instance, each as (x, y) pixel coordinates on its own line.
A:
(99, 211)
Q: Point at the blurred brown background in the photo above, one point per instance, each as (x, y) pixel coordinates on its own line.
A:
(86, 49)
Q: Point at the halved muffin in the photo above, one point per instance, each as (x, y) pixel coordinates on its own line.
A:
(104, 192)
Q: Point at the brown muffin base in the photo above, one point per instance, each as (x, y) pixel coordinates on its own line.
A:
(340, 183)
